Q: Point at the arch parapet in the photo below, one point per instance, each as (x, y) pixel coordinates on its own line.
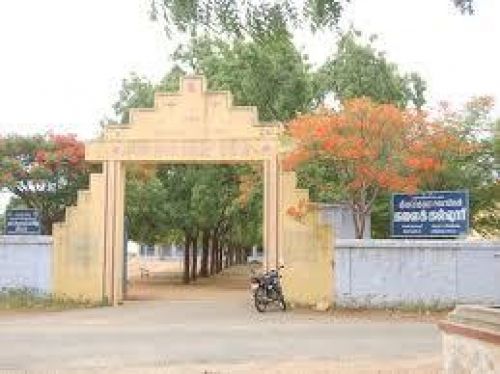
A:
(190, 125)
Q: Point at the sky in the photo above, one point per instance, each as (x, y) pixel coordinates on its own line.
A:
(62, 61)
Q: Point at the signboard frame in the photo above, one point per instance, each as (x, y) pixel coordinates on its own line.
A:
(431, 236)
(36, 216)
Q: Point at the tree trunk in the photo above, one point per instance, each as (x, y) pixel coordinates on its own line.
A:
(232, 254)
(204, 255)
(219, 258)
(194, 267)
(214, 254)
(361, 208)
(359, 224)
(187, 244)
(246, 253)
(240, 255)
(228, 258)
(46, 224)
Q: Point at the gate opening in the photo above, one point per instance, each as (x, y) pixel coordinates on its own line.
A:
(191, 230)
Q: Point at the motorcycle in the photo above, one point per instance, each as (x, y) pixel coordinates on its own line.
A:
(266, 289)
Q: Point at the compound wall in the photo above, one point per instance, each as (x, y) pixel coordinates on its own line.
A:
(379, 273)
(26, 262)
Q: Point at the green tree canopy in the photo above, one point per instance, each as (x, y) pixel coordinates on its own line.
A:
(238, 18)
(138, 92)
(269, 74)
(358, 70)
(149, 219)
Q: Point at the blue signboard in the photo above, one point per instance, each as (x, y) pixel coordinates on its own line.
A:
(430, 214)
(22, 222)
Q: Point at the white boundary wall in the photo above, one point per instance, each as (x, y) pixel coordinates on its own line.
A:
(380, 273)
(26, 262)
(367, 273)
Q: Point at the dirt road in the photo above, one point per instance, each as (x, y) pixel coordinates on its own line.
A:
(210, 328)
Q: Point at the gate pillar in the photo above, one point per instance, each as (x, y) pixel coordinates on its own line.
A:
(306, 246)
(113, 230)
(271, 227)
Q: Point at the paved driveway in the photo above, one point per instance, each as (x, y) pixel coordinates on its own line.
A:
(209, 333)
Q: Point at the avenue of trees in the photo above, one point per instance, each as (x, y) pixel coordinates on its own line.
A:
(214, 208)
(378, 138)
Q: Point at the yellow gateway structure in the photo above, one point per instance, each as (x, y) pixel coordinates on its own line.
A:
(191, 126)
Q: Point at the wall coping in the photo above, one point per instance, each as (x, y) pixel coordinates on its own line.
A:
(409, 244)
(474, 322)
(477, 315)
(25, 239)
(475, 333)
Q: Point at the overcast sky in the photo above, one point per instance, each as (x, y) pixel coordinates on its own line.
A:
(62, 61)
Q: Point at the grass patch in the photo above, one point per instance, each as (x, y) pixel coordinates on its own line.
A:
(409, 311)
(30, 299)
(416, 307)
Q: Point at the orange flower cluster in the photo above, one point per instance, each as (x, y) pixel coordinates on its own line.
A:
(41, 160)
(66, 149)
(294, 158)
(423, 163)
(299, 211)
(376, 146)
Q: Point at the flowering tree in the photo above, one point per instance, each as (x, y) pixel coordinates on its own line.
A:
(368, 148)
(44, 172)
(479, 169)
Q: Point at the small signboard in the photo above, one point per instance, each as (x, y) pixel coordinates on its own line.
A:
(430, 214)
(22, 222)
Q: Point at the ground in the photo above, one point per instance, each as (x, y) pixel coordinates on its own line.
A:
(212, 328)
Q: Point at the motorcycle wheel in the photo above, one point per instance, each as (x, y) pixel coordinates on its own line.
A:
(260, 300)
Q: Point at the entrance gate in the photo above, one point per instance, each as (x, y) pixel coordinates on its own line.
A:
(193, 125)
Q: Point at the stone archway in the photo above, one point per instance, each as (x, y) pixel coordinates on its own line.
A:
(193, 125)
